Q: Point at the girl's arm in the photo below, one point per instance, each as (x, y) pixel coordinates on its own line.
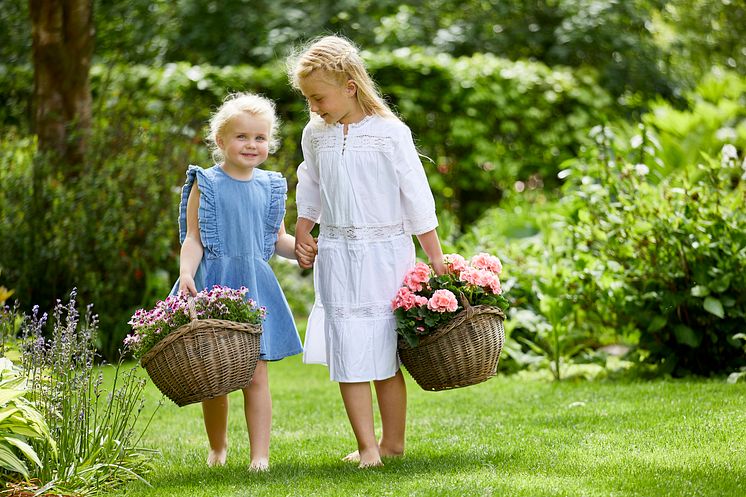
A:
(191, 249)
(285, 245)
(431, 245)
(305, 245)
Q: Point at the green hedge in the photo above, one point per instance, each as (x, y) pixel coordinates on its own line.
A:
(484, 121)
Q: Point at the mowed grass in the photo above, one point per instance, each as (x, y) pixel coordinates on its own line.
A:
(507, 436)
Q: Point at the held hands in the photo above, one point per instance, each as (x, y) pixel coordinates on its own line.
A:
(305, 250)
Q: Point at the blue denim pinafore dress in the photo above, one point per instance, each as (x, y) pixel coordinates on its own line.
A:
(238, 223)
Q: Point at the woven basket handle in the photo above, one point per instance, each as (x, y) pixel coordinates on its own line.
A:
(467, 306)
(192, 308)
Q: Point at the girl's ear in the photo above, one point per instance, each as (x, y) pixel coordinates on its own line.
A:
(351, 88)
(219, 141)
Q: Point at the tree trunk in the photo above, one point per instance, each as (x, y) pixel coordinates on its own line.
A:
(62, 43)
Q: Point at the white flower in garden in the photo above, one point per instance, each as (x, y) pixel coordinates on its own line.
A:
(728, 156)
(636, 141)
(642, 169)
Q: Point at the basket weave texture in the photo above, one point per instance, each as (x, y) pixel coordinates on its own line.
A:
(203, 359)
(463, 352)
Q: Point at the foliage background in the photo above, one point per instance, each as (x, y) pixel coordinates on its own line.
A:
(501, 97)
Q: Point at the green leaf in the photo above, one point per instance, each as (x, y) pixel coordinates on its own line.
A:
(714, 306)
(657, 323)
(700, 291)
(6, 395)
(10, 461)
(687, 336)
(27, 450)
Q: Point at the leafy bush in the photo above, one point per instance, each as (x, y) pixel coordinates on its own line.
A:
(666, 256)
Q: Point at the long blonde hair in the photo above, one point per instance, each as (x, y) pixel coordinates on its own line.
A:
(235, 104)
(341, 60)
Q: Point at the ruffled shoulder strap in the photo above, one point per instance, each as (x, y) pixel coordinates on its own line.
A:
(207, 214)
(278, 189)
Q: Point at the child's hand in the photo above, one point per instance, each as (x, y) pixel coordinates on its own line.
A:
(439, 268)
(305, 250)
(187, 286)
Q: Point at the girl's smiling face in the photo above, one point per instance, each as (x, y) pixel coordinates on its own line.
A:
(334, 103)
(245, 144)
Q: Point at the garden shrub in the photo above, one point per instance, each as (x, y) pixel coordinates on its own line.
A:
(651, 260)
(665, 258)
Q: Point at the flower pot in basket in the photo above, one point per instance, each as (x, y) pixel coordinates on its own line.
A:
(204, 358)
(465, 351)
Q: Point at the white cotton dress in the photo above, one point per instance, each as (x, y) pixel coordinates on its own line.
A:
(369, 193)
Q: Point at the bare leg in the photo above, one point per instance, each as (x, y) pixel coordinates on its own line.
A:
(358, 403)
(392, 403)
(215, 412)
(258, 411)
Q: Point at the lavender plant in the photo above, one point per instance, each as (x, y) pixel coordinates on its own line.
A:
(94, 427)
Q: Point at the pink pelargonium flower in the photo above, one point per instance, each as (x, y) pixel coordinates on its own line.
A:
(482, 278)
(417, 277)
(443, 301)
(455, 262)
(487, 262)
(406, 299)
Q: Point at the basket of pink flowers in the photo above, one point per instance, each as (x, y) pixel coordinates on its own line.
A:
(197, 348)
(451, 326)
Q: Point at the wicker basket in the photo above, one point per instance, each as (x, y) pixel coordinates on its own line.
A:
(203, 359)
(463, 352)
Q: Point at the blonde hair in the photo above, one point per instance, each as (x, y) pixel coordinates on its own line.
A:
(233, 105)
(341, 60)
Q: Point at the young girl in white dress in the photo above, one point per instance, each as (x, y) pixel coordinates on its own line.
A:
(363, 182)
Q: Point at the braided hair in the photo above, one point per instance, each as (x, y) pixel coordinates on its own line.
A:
(341, 61)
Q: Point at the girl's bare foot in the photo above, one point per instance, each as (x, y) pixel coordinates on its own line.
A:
(216, 458)
(259, 465)
(382, 450)
(352, 457)
(369, 458)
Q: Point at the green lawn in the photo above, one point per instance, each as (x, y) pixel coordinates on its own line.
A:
(508, 436)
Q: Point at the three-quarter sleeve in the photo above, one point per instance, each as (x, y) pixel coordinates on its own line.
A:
(418, 204)
(308, 193)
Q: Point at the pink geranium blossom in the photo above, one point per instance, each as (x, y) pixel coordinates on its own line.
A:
(487, 262)
(425, 302)
(406, 299)
(482, 278)
(443, 301)
(455, 262)
(417, 277)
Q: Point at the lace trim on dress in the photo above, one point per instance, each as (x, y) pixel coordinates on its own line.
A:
(360, 232)
(374, 143)
(307, 212)
(324, 142)
(374, 310)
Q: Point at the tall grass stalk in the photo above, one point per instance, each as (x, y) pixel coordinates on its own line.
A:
(97, 444)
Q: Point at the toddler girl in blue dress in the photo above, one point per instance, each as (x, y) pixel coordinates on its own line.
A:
(231, 222)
